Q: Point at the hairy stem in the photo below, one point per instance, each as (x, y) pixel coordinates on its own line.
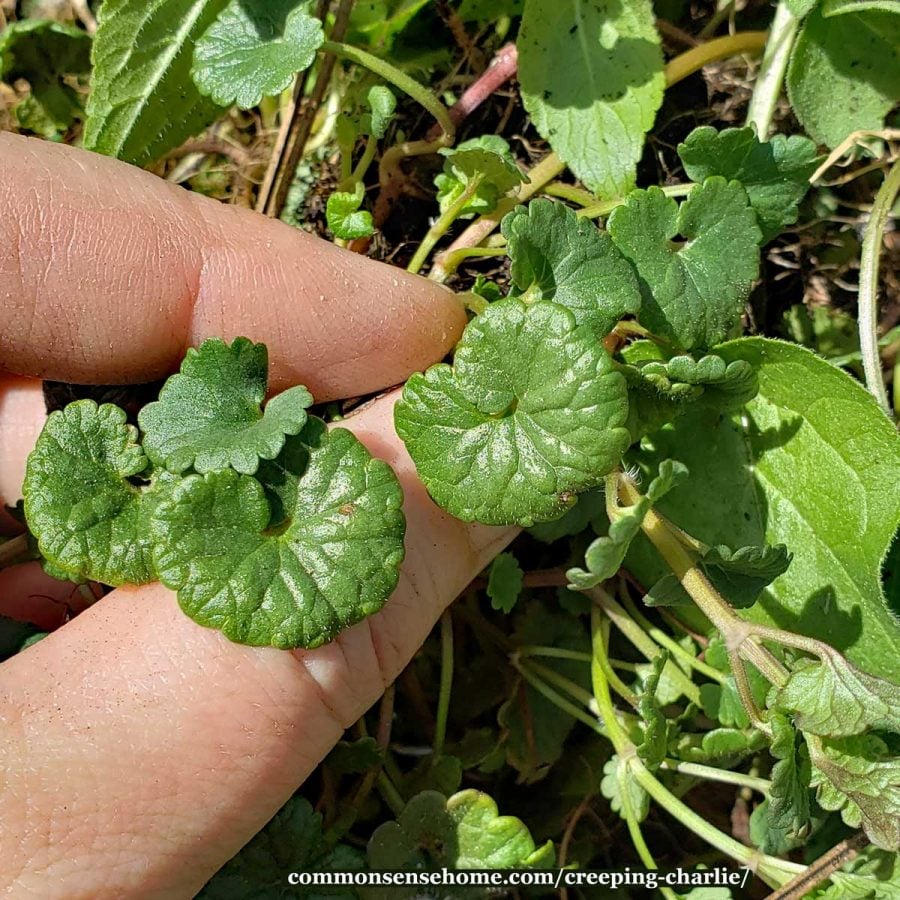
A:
(770, 79)
(724, 776)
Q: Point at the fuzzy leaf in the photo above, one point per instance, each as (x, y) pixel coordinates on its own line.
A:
(556, 256)
(530, 414)
(592, 81)
(90, 521)
(253, 50)
(143, 101)
(333, 561)
(788, 810)
(693, 293)
(291, 842)
(486, 160)
(844, 73)
(774, 173)
(209, 416)
(727, 386)
(382, 104)
(345, 219)
(860, 777)
(504, 582)
(617, 780)
(833, 698)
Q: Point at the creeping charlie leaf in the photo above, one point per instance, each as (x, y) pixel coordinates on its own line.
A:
(556, 256)
(345, 218)
(253, 50)
(655, 735)
(294, 579)
(620, 787)
(504, 582)
(90, 521)
(142, 101)
(844, 73)
(592, 81)
(693, 292)
(531, 413)
(483, 169)
(775, 173)
(788, 810)
(209, 415)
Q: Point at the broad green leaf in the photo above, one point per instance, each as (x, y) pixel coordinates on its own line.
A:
(333, 561)
(775, 173)
(833, 698)
(592, 80)
(89, 519)
(382, 104)
(43, 52)
(693, 291)
(345, 218)
(617, 780)
(556, 256)
(531, 413)
(844, 73)
(860, 777)
(378, 23)
(788, 809)
(253, 50)
(810, 465)
(209, 416)
(143, 101)
(873, 875)
(504, 582)
(291, 842)
(483, 165)
(839, 7)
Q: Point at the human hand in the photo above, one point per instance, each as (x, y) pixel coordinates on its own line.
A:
(140, 751)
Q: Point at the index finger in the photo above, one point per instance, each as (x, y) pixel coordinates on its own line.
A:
(108, 273)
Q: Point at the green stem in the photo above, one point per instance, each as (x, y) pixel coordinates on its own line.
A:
(443, 708)
(598, 210)
(366, 159)
(559, 701)
(571, 193)
(390, 794)
(553, 653)
(712, 51)
(607, 711)
(770, 78)
(868, 285)
(575, 691)
(725, 776)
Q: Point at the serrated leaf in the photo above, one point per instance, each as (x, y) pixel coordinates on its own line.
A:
(592, 80)
(143, 101)
(291, 842)
(605, 555)
(382, 104)
(483, 164)
(860, 777)
(693, 293)
(253, 50)
(332, 562)
(90, 521)
(210, 415)
(504, 582)
(725, 746)
(775, 173)
(344, 217)
(806, 465)
(655, 737)
(530, 414)
(556, 256)
(831, 697)
(874, 874)
(788, 810)
(844, 73)
(617, 779)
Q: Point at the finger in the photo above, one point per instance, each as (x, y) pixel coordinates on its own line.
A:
(141, 751)
(108, 273)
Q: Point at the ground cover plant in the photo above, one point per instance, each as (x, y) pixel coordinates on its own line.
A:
(669, 224)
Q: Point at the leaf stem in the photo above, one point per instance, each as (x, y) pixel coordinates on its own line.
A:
(443, 708)
(712, 51)
(868, 285)
(571, 193)
(390, 794)
(558, 700)
(365, 160)
(725, 776)
(770, 78)
(598, 210)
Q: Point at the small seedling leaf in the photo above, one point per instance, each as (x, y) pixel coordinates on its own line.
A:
(504, 582)
(484, 165)
(617, 779)
(345, 218)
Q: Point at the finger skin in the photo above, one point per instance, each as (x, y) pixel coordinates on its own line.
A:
(141, 751)
(108, 273)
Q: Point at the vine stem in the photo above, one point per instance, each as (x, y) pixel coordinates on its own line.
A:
(598, 210)
(770, 79)
(725, 776)
(868, 285)
(712, 51)
(443, 709)
(558, 700)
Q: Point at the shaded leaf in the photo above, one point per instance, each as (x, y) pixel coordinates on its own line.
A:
(788, 810)
(504, 582)
(617, 779)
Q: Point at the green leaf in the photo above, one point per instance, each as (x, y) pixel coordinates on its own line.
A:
(43, 52)
(333, 561)
(605, 555)
(589, 506)
(722, 702)
(382, 104)
(807, 465)
(592, 80)
(489, 10)
(693, 293)
(504, 582)
(253, 50)
(354, 757)
(617, 780)
(655, 737)
(291, 842)
(143, 102)
(839, 7)
(209, 416)
(345, 219)
(725, 746)
(484, 165)
(873, 875)
(90, 521)
(860, 777)
(556, 256)
(530, 414)
(844, 73)
(775, 173)
(833, 698)
(788, 811)
(800, 8)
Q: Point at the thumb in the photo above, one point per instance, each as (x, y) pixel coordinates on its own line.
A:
(142, 751)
